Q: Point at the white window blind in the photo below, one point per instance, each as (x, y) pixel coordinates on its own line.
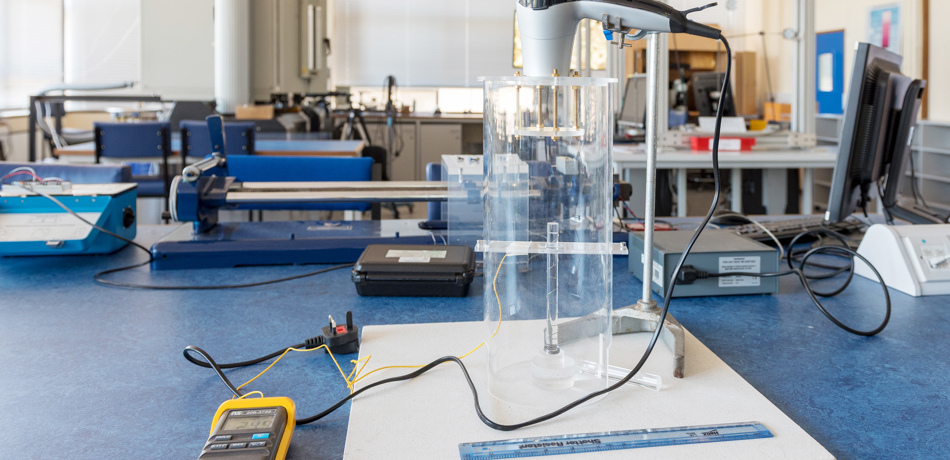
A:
(421, 42)
(31, 50)
(102, 41)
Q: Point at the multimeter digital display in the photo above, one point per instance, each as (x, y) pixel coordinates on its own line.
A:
(251, 429)
(235, 422)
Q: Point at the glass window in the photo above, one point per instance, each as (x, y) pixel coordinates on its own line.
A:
(31, 49)
(102, 41)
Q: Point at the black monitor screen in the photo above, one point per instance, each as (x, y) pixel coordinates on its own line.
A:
(875, 141)
(706, 89)
(864, 135)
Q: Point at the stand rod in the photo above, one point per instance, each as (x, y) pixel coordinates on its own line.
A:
(652, 120)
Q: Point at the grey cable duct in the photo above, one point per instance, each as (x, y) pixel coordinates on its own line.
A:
(84, 87)
(57, 137)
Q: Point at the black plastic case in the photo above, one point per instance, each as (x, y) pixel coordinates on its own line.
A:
(413, 270)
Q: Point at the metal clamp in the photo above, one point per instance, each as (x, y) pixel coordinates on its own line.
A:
(192, 172)
(609, 30)
(636, 319)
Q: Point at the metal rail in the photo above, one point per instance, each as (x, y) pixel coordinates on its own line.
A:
(336, 192)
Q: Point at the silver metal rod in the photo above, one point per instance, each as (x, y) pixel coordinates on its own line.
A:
(336, 192)
(653, 110)
(550, 337)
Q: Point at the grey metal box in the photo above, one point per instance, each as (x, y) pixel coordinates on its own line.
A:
(716, 251)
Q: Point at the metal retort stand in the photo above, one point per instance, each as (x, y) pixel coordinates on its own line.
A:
(644, 316)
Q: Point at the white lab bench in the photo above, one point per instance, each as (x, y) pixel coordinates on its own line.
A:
(630, 158)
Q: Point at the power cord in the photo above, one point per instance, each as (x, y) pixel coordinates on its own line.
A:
(340, 339)
(662, 316)
(690, 274)
(98, 277)
(764, 229)
(646, 354)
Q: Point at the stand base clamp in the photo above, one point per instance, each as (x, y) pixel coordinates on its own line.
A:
(643, 318)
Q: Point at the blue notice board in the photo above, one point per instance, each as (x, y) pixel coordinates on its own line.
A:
(829, 72)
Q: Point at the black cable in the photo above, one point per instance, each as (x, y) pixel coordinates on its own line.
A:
(98, 276)
(74, 214)
(213, 365)
(814, 295)
(662, 316)
(840, 238)
(250, 362)
(913, 183)
(98, 279)
(835, 270)
(653, 339)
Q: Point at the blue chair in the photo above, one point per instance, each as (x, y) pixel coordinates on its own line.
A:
(77, 174)
(434, 208)
(303, 169)
(196, 140)
(138, 143)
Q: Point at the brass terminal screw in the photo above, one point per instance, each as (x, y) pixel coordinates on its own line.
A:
(518, 106)
(577, 101)
(554, 100)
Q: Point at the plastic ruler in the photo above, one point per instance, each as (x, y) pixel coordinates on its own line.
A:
(611, 440)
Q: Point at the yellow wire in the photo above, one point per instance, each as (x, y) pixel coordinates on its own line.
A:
(351, 378)
(494, 285)
(355, 362)
(303, 351)
(251, 393)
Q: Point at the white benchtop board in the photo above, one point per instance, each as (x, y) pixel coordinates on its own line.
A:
(429, 416)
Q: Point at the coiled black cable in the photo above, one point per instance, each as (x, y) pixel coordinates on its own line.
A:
(646, 354)
(799, 272)
(662, 315)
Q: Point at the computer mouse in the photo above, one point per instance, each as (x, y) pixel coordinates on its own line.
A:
(727, 217)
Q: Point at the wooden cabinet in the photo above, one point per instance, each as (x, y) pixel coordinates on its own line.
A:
(406, 165)
(437, 140)
(422, 140)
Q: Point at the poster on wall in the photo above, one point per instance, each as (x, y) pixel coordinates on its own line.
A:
(885, 27)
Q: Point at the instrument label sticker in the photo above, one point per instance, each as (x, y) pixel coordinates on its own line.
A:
(427, 254)
(749, 264)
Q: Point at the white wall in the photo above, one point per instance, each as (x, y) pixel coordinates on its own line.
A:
(771, 17)
(938, 86)
(177, 48)
(31, 52)
(853, 17)
(101, 41)
(421, 42)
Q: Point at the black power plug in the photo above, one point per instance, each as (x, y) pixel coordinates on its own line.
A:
(342, 339)
(689, 274)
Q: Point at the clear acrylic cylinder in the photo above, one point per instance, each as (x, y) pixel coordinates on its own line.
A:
(548, 237)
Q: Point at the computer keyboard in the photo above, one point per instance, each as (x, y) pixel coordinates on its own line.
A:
(787, 229)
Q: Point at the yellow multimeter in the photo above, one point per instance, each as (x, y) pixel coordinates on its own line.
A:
(251, 429)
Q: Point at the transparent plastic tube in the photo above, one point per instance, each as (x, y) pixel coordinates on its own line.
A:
(548, 238)
(616, 374)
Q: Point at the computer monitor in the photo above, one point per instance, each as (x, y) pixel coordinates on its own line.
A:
(706, 89)
(634, 108)
(879, 123)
